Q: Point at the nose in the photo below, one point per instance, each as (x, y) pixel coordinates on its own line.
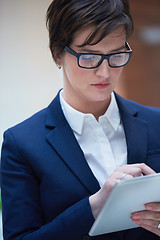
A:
(103, 70)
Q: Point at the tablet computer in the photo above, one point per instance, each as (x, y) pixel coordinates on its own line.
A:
(127, 196)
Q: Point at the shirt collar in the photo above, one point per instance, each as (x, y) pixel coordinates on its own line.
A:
(112, 114)
(76, 118)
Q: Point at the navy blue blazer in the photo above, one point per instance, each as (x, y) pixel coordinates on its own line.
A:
(46, 181)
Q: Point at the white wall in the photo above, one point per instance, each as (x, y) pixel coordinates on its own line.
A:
(29, 79)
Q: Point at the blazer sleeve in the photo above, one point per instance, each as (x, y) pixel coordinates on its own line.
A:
(21, 208)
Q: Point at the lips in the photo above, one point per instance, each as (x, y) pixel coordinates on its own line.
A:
(101, 85)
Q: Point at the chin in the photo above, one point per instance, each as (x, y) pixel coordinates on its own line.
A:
(102, 98)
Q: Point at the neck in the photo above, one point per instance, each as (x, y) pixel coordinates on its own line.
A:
(97, 108)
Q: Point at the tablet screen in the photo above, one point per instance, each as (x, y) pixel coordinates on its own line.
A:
(127, 196)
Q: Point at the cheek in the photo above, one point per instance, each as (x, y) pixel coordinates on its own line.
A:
(71, 68)
(117, 74)
(77, 75)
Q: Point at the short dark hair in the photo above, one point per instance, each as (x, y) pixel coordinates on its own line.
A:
(65, 17)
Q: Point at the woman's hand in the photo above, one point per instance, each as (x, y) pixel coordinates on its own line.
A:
(98, 199)
(149, 219)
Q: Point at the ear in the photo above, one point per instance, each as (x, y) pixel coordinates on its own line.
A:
(56, 57)
(58, 66)
(58, 60)
(58, 63)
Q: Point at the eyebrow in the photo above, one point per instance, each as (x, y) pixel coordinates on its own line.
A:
(118, 49)
(98, 52)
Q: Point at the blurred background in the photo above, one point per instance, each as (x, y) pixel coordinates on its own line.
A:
(29, 79)
(140, 80)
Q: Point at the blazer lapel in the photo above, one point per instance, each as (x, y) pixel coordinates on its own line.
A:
(62, 139)
(136, 131)
(64, 142)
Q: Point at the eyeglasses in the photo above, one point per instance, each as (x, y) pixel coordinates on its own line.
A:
(93, 60)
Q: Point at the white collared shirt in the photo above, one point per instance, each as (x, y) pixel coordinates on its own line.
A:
(103, 142)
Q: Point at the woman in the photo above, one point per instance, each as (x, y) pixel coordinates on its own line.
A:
(59, 166)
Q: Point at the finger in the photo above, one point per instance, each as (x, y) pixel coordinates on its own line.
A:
(153, 207)
(145, 169)
(151, 229)
(147, 222)
(127, 176)
(123, 176)
(137, 169)
(128, 170)
(146, 215)
(134, 171)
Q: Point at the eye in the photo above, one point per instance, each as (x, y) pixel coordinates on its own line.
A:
(87, 57)
(89, 60)
(118, 56)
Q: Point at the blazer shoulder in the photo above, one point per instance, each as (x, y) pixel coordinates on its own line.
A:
(28, 130)
(144, 107)
(139, 107)
(38, 125)
(150, 115)
(34, 121)
(146, 113)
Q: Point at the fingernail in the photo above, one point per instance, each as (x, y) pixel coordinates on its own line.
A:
(136, 220)
(135, 217)
(148, 207)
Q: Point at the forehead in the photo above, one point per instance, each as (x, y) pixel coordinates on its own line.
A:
(84, 33)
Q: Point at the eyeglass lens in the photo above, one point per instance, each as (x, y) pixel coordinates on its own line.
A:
(115, 60)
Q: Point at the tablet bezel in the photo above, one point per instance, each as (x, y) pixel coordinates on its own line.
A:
(127, 196)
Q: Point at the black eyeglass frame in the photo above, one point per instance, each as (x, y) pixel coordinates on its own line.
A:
(103, 56)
